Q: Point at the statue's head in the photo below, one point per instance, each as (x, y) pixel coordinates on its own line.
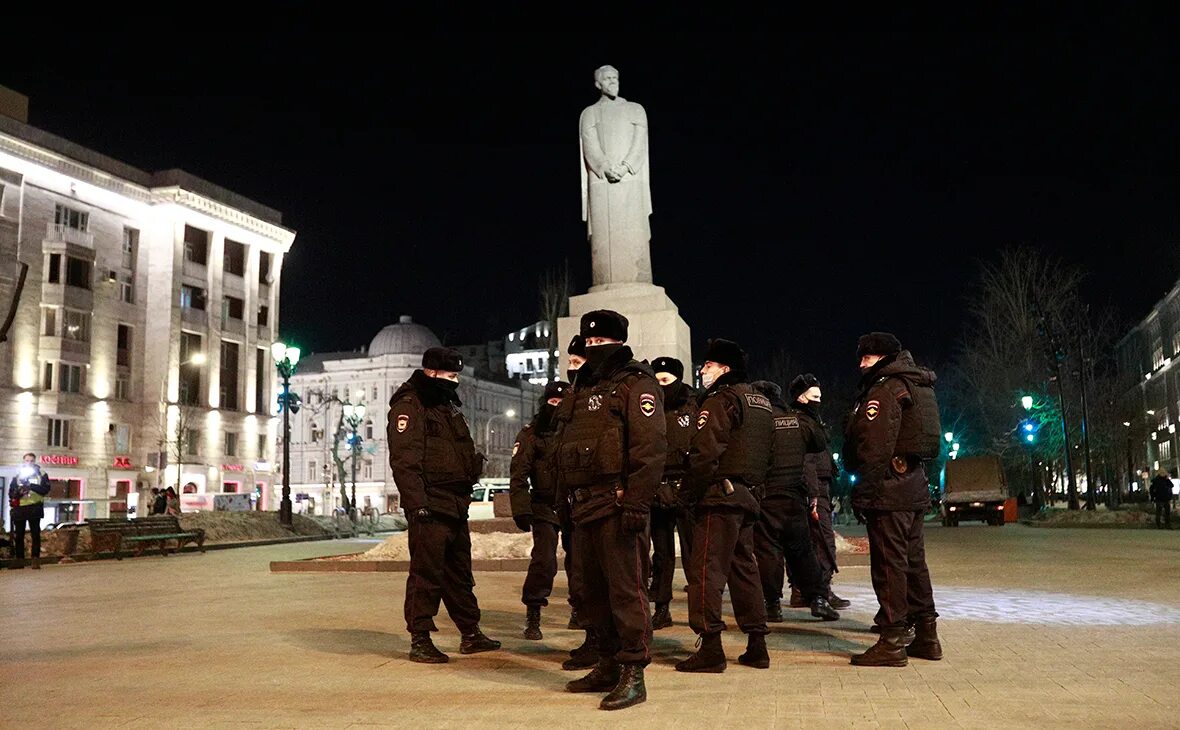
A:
(606, 80)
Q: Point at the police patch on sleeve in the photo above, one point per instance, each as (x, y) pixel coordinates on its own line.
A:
(872, 409)
(702, 419)
(403, 422)
(647, 404)
(515, 448)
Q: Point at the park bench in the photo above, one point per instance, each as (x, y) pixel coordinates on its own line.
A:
(115, 534)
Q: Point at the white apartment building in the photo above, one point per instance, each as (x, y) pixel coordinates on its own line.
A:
(325, 382)
(143, 331)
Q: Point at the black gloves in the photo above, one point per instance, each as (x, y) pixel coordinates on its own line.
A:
(524, 523)
(634, 520)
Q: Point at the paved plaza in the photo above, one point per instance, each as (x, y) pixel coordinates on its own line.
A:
(1041, 628)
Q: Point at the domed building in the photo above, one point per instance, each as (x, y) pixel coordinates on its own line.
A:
(328, 381)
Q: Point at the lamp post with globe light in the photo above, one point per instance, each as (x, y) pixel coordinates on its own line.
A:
(286, 359)
(487, 427)
(353, 415)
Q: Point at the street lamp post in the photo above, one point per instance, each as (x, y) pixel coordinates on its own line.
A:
(286, 358)
(353, 415)
(487, 427)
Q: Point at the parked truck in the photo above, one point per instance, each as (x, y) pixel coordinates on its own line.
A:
(974, 489)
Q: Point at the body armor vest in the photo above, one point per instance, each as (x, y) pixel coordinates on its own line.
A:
(591, 448)
(449, 458)
(786, 469)
(543, 480)
(680, 427)
(747, 454)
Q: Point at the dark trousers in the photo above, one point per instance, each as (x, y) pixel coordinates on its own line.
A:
(440, 567)
(611, 568)
(782, 539)
(538, 584)
(897, 562)
(723, 552)
(664, 524)
(1163, 514)
(823, 539)
(30, 516)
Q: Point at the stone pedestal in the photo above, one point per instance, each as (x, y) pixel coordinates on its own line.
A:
(656, 328)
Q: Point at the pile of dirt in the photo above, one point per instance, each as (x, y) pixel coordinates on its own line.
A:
(1119, 518)
(851, 545)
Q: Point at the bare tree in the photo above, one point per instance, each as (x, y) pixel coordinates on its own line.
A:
(554, 289)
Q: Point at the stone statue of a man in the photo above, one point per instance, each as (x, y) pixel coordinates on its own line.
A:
(616, 191)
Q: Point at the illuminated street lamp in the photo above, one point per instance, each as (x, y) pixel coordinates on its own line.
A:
(948, 436)
(353, 416)
(487, 427)
(286, 358)
(1027, 402)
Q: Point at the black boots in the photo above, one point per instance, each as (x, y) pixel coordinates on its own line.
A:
(837, 601)
(710, 657)
(755, 655)
(475, 642)
(889, 651)
(532, 623)
(573, 624)
(797, 599)
(662, 618)
(774, 612)
(602, 678)
(585, 656)
(821, 609)
(423, 650)
(629, 690)
(925, 642)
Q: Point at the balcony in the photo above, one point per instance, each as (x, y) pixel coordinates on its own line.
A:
(64, 234)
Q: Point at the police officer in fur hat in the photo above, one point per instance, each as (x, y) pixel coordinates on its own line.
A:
(533, 491)
(892, 430)
(668, 515)
(728, 459)
(610, 459)
(434, 462)
(577, 356)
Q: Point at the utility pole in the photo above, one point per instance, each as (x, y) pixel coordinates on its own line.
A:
(1091, 487)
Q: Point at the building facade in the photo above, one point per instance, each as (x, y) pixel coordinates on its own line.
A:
(1149, 368)
(321, 458)
(139, 354)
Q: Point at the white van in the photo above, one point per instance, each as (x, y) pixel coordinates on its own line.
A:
(482, 496)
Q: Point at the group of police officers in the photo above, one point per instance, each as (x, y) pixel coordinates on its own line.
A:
(626, 456)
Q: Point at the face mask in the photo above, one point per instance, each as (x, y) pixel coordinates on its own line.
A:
(598, 354)
(707, 379)
(570, 375)
(450, 385)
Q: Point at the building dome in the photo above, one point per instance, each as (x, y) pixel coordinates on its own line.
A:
(403, 338)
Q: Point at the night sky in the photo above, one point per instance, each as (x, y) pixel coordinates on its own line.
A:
(807, 188)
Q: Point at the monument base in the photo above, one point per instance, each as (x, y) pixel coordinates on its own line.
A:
(655, 330)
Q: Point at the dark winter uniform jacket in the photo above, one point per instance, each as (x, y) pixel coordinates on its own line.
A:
(431, 453)
(612, 442)
(735, 427)
(819, 468)
(680, 414)
(885, 479)
(797, 436)
(533, 483)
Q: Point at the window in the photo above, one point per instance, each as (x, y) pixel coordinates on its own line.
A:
(77, 272)
(47, 377)
(315, 433)
(190, 372)
(49, 321)
(53, 270)
(263, 267)
(123, 346)
(196, 245)
(234, 258)
(192, 297)
(374, 393)
(231, 443)
(192, 442)
(69, 378)
(59, 433)
(122, 387)
(260, 399)
(127, 288)
(75, 325)
(130, 245)
(261, 446)
(233, 308)
(1176, 342)
(70, 218)
(1165, 450)
(229, 487)
(122, 439)
(263, 315)
(311, 473)
(369, 429)
(229, 376)
(367, 471)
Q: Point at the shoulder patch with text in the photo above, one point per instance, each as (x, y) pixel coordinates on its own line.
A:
(403, 422)
(872, 409)
(786, 422)
(757, 400)
(647, 403)
(702, 419)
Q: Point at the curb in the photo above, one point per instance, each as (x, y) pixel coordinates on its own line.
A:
(509, 565)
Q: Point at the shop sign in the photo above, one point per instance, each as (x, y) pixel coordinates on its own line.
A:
(233, 467)
(59, 459)
(123, 462)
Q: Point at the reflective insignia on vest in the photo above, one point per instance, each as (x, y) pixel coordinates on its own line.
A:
(872, 409)
(515, 448)
(702, 419)
(403, 422)
(786, 422)
(647, 404)
(594, 402)
(684, 421)
(757, 400)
